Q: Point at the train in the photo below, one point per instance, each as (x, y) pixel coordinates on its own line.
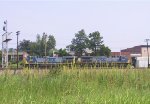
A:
(82, 61)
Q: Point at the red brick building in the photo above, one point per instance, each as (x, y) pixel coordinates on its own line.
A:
(117, 54)
(140, 50)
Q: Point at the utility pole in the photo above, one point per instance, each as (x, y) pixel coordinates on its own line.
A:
(45, 39)
(17, 33)
(147, 40)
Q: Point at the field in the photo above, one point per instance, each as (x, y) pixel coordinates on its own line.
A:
(76, 86)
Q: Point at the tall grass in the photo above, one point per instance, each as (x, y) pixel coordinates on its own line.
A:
(76, 86)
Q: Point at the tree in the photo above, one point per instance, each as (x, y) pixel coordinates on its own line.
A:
(79, 43)
(104, 51)
(28, 46)
(95, 41)
(62, 52)
(38, 38)
(33, 49)
(38, 47)
(24, 45)
(51, 43)
(47, 41)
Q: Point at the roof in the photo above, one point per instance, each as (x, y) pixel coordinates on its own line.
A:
(15, 53)
(135, 48)
(139, 46)
(144, 46)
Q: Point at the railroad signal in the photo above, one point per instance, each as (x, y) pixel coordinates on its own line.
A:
(5, 41)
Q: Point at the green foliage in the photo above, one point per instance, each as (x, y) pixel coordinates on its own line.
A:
(62, 52)
(24, 45)
(38, 48)
(46, 43)
(97, 46)
(93, 41)
(76, 87)
(104, 51)
(51, 43)
(79, 42)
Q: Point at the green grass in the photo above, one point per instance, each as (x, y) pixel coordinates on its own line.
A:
(67, 86)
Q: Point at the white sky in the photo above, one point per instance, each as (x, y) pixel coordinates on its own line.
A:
(122, 24)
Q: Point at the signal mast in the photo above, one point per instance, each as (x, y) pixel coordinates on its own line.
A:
(5, 40)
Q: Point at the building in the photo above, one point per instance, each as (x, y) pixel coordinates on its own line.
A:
(117, 54)
(138, 51)
(12, 56)
(139, 55)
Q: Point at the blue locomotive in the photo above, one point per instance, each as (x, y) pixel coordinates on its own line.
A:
(79, 61)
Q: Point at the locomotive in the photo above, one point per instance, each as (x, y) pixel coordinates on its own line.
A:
(89, 61)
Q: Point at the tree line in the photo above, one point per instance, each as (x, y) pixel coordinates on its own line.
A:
(81, 44)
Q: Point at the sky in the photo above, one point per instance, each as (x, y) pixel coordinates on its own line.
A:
(122, 23)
